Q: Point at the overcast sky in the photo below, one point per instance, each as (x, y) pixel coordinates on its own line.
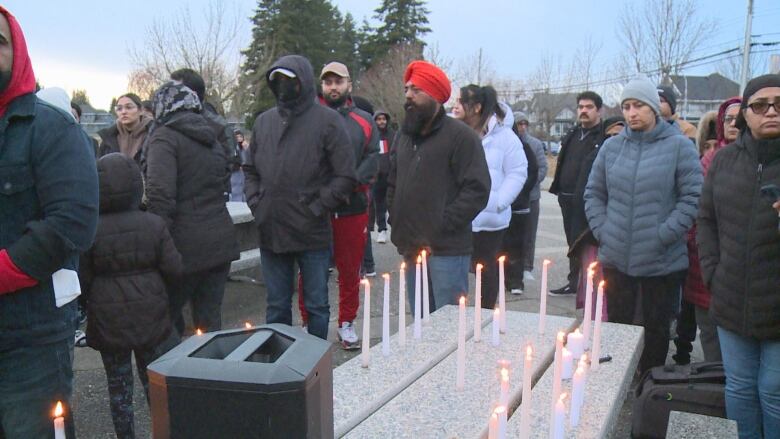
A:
(84, 43)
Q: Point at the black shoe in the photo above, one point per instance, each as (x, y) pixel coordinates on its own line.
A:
(565, 291)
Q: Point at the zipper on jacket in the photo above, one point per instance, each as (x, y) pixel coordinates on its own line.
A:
(631, 214)
(748, 264)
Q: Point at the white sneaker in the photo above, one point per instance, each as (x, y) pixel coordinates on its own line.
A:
(516, 291)
(348, 336)
(381, 237)
(528, 276)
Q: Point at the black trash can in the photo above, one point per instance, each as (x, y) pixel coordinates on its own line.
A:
(272, 381)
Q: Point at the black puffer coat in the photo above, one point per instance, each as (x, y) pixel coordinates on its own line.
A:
(738, 239)
(123, 273)
(185, 183)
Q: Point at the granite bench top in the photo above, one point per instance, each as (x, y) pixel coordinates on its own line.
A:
(432, 407)
(358, 392)
(605, 390)
(695, 426)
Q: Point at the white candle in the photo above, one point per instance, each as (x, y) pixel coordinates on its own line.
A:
(502, 419)
(493, 426)
(525, 408)
(386, 316)
(577, 395)
(543, 296)
(402, 306)
(586, 319)
(559, 418)
(503, 398)
(574, 342)
(596, 349)
(59, 422)
(557, 369)
(425, 298)
(502, 293)
(567, 363)
(417, 300)
(460, 382)
(496, 322)
(365, 355)
(478, 305)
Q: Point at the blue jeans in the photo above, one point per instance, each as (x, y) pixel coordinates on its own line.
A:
(280, 279)
(448, 277)
(752, 383)
(32, 380)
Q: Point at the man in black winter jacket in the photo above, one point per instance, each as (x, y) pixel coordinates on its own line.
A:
(301, 169)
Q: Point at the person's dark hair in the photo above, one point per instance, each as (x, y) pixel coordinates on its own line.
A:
(192, 80)
(472, 94)
(591, 96)
(77, 108)
(363, 103)
(133, 97)
(148, 106)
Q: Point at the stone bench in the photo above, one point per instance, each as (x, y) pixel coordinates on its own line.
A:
(695, 426)
(605, 391)
(358, 392)
(432, 407)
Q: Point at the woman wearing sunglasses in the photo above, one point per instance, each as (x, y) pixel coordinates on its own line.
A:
(739, 249)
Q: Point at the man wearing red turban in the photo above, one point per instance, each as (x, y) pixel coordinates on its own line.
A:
(48, 216)
(438, 183)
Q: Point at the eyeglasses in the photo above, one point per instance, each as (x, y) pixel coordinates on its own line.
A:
(761, 107)
(128, 107)
(729, 119)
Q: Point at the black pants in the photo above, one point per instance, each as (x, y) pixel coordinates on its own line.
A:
(205, 290)
(119, 372)
(515, 247)
(377, 210)
(487, 246)
(660, 296)
(686, 332)
(567, 211)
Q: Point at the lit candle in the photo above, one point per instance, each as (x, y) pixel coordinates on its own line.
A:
(365, 355)
(543, 296)
(493, 426)
(525, 408)
(417, 299)
(502, 293)
(496, 323)
(386, 317)
(567, 364)
(502, 418)
(503, 398)
(574, 341)
(596, 349)
(425, 298)
(59, 421)
(557, 370)
(478, 306)
(586, 319)
(559, 418)
(248, 325)
(461, 343)
(198, 331)
(402, 306)
(577, 396)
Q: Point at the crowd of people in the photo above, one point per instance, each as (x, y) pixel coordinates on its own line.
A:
(682, 223)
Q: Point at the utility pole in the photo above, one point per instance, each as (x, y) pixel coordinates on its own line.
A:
(479, 68)
(746, 50)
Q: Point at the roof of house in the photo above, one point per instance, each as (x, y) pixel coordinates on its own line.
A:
(714, 87)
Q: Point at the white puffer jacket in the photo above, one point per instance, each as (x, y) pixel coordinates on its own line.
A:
(508, 171)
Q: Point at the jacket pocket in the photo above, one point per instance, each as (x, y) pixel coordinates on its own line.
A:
(14, 180)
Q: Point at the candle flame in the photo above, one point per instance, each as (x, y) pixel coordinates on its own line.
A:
(563, 397)
(529, 351)
(584, 358)
(423, 253)
(591, 273)
(546, 262)
(198, 332)
(365, 282)
(496, 311)
(480, 267)
(504, 375)
(502, 259)
(462, 300)
(593, 265)
(499, 410)
(386, 276)
(577, 331)
(248, 325)
(419, 259)
(403, 265)
(58, 410)
(602, 284)
(561, 336)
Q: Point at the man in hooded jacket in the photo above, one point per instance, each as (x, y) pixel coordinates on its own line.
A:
(48, 215)
(301, 168)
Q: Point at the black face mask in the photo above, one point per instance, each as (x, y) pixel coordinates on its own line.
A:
(5, 79)
(287, 90)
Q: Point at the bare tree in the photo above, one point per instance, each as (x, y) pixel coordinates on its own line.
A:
(660, 36)
(583, 65)
(382, 83)
(212, 49)
(433, 55)
(550, 93)
(731, 66)
(475, 68)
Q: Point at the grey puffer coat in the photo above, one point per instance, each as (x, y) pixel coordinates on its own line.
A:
(642, 197)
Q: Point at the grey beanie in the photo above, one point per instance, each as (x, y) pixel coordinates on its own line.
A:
(519, 116)
(643, 90)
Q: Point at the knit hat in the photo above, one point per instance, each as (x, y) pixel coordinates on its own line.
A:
(519, 117)
(643, 90)
(668, 94)
(172, 97)
(430, 79)
(753, 86)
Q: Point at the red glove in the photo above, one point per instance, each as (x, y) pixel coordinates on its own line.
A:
(11, 277)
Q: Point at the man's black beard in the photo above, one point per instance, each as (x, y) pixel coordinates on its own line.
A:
(417, 117)
(5, 79)
(337, 103)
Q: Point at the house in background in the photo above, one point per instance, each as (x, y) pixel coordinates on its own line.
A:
(93, 120)
(697, 95)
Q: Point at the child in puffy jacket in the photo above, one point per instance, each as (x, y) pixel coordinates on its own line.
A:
(124, 278)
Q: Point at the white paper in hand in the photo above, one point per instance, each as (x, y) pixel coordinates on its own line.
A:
(66, 286)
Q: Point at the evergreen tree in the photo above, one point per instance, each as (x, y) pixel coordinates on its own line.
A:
(79, 97)
(404, 22)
